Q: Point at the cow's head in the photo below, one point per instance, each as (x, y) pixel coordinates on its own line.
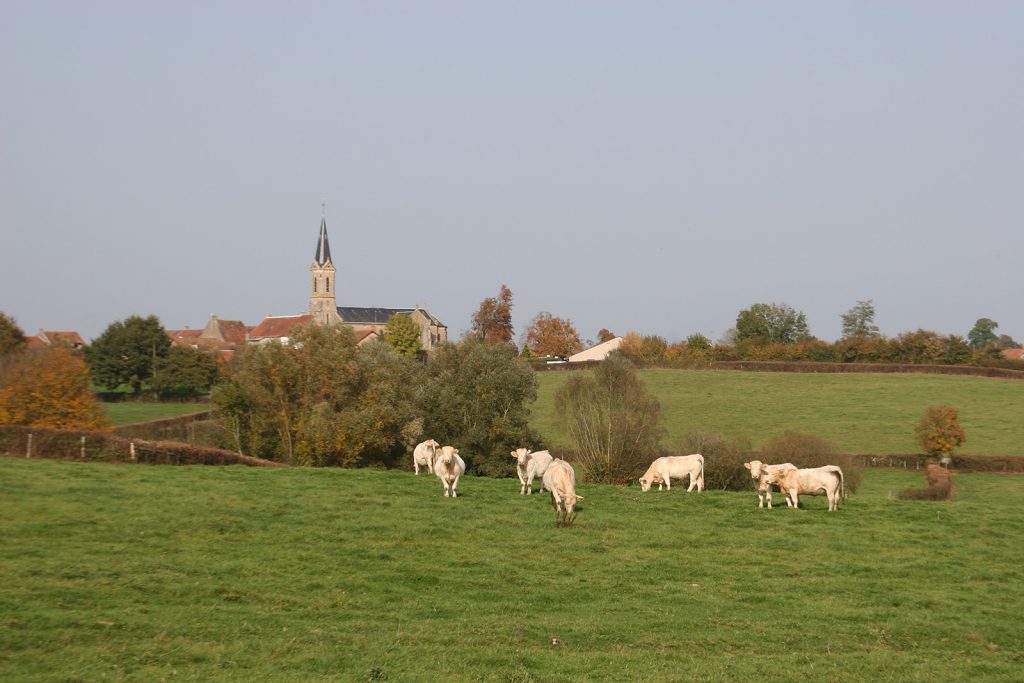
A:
(570, 502)
(645, 483)
(448, 454)
(431, 445)
(522, 455)
(756, 467)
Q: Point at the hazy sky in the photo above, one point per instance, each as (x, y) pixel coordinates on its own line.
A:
(638, 166)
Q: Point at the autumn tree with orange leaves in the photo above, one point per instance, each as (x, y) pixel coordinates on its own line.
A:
(492, 321)
(551, 336)
(939, 431)
(49, 388)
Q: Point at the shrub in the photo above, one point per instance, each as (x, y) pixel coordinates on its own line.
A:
(723, 460)
(807, 450)
(939, 486)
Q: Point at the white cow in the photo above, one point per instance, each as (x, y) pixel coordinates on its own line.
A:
(449, 467)
(827, 480)
(560, 479)
(759, 473)
(664, 469)
(530, 465)
(424, 455)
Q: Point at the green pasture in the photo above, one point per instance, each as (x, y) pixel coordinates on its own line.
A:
(128, 413)
(148, 573)
(862, 413)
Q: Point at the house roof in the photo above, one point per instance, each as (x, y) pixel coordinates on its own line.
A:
(35, 342)
(184, 338)
(68, 338)
(234, 331)
(1013, 354)
(597, 352)
(366, 336)
(278, 326)
(378, 316)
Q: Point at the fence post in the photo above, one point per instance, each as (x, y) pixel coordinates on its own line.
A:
(131, 448)
(81, 450)
(28, 449)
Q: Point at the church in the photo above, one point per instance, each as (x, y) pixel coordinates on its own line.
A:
(368, 323)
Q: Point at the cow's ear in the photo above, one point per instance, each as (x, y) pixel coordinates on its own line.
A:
(747, 465)
(513, 454)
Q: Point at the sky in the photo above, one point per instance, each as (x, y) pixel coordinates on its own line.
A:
(645, 166)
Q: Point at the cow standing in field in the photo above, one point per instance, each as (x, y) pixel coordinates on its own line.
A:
(449, 467)
(827, 481)
(669, 467)
(560, 480)
(759, 473)
(424, 455)
(530, 465)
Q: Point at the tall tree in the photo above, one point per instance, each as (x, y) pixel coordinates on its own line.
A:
(49, 388)
(11, 336)
(184, 373)
(771, 324)
(551, 336)
(859, 321)
(611, 420)
(127, 351)
(604, 335)
(492, 322)
(477, 398)
(983, 333)
(403, 334)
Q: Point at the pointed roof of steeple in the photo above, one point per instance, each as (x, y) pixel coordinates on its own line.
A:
(323, 247)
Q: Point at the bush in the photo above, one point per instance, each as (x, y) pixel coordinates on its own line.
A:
(723, 460)
(807, 450)
(939, 486)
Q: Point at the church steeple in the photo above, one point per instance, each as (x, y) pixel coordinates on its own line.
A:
(323, 305)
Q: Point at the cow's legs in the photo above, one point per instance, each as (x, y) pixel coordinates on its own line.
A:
(455, 485)
(529, 484)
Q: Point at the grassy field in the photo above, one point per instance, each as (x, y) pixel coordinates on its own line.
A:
(128, 413)
(120, 572)
(864, 413)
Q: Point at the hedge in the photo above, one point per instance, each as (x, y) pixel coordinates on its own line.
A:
(59, 444)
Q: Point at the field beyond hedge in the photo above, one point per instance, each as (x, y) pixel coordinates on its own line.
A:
(860, 413)
(129, 412)
(134, 572)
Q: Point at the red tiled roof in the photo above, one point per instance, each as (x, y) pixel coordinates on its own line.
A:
(1013, 354)
(234, 331)
(69, 338)
(35, 342)
(365, 336)
(278, 326)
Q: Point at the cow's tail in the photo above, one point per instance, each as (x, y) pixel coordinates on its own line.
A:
(700, 476)
(842, 484)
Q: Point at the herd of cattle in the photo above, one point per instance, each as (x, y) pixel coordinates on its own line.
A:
(559, 478)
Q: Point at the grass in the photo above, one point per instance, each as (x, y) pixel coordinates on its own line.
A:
(866, 413)
(127, 412)
(119, 572)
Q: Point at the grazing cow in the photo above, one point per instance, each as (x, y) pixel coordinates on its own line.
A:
(560, 479)
(449, 467)
(424, 455)
(827, 480)
(669, 467)
(530, 465)
(759, 473)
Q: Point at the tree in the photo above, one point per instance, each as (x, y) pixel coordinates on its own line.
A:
(49, 388)
(551, 336)
(492, 322)
(771, 324)
(859, 321)
(477, 398)
(939, 431)
(184, 373)
(322, 400)
(403, 334)
(11, 336)
(604, 335)
(983, 333)
(1005, 341)
(698, 342)
(127, 351)
(611, 420)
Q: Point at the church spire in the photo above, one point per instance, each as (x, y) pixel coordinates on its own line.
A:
(323, 247)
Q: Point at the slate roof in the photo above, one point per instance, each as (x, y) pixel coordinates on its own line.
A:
(274, 326)
(358, 314)
(323, 247)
